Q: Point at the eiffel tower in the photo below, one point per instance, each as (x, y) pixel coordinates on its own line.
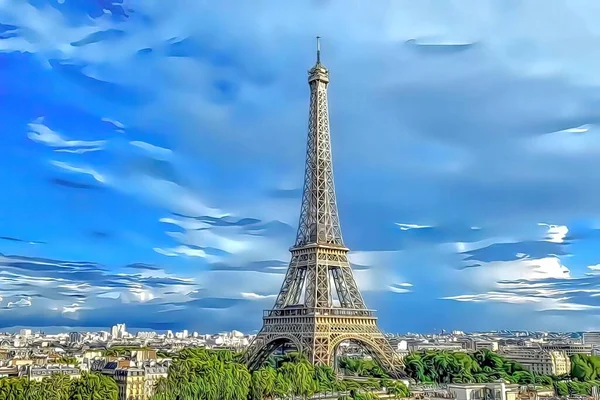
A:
(319, 305)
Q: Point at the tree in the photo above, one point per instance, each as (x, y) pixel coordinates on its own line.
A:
(92, 386)
(263, 383)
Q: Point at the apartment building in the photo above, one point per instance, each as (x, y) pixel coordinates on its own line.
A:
(37, 373)
(539, 361)
(568, 348)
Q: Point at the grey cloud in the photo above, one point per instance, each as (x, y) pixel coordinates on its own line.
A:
(143, 266)
(72, 184)
(14, 239)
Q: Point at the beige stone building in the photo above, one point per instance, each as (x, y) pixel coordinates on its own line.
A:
(135, 383)
(131, 383)
(539, 361)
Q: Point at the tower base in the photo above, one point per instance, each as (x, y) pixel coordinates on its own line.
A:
(317, 333)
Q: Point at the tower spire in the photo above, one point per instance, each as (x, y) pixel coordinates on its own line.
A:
(318, 49)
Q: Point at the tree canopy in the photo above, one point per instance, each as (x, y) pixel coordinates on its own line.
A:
(60, 387)
(209, 374)
(460, 367)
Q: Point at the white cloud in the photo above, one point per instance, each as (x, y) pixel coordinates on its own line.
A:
(406, 227)
(79, 151)
(495, 297)
(40, 133)
(73, 308)
(489, 274)
(556, 233)
(397, 289)
(156, 151)
(116, 123)
(255, 296)
(167, 194)
(81, 170)
(23, 302)
(578, 129)
(523, 281)
(181, 250)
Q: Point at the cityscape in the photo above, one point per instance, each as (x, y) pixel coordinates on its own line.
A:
(149, 354)
(163, 240)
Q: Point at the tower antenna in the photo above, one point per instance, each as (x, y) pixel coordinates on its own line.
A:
(318, 49)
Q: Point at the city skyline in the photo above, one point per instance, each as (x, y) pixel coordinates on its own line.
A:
(155, 167)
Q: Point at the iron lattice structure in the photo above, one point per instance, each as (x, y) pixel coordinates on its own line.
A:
(319, 305)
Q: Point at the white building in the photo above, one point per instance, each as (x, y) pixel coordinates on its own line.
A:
(545, 362)
(485, 344)
(569, 348)
(146, 335)
(495, 391)
(36, 373)
(75, 338)
(118, 331)
(25, 332)
(591, 338)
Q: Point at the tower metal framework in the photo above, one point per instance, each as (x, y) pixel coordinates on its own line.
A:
(319, 305)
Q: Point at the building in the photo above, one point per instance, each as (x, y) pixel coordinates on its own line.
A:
(118, 331)
(25, 332)
(485, 344)
(135, 383)
(568, 348)
(7, 372)
(414, 346)
(75, 338)
(37, 373)
(591, 338)
(131, 383)
(539, 361)
(496, 391)
(152, 375)
(143, 355)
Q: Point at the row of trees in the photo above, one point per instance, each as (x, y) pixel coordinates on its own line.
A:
(460, 367)
(219, 375)
(487, 366)
(60, 387)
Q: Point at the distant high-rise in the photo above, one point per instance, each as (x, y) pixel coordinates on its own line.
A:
(118, 331)
(592, 338)
(25, 332)
(75, 337)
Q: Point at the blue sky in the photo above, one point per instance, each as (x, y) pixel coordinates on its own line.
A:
(151, 159)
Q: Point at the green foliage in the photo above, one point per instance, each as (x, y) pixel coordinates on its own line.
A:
(211, 375)
(119, 351)
(361, 367)
(585, 368)
(94, 387)
(66, 360)
(487, 366)
(60, 387)
(395, 388)
(459, 367)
